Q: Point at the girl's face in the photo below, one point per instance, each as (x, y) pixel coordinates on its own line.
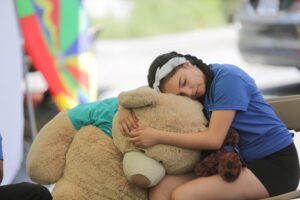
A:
(187, 81)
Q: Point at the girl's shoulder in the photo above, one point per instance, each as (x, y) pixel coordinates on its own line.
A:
(221, 70)
(226, 68)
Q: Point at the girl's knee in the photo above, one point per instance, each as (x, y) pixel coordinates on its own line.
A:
(188, 191)
(160, 191)
(165, 184)
(164, 189)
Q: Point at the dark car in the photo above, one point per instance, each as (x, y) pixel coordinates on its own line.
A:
(269, 31)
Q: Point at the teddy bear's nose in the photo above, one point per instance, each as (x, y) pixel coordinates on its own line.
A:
(229, 176)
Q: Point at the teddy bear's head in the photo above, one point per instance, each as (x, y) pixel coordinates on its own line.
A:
(166, 112)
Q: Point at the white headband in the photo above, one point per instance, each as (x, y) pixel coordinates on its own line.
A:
(164, 70)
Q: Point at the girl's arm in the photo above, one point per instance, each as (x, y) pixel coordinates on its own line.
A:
(212, 138)
(127, 120)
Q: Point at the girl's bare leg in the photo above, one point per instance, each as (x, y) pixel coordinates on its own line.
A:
(247, 186)
(164, 189)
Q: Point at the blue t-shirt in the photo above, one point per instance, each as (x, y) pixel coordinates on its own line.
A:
(261, 131)
(99, 114)
(1, 152)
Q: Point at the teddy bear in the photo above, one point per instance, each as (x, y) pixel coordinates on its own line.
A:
(226, 161)
(87, 164)
(145, 167)
(82, 164)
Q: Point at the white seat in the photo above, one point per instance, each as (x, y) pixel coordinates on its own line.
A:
(286, 196)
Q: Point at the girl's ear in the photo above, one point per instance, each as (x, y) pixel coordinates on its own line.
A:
(140, 97)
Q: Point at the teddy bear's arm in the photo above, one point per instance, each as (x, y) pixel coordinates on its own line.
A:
(46, 157)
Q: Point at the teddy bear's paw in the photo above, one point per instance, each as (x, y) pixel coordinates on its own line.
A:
(140, 180)
(229, 167)
(142, 170)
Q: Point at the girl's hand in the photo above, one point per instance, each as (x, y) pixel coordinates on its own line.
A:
(127, 120)
(144, 137)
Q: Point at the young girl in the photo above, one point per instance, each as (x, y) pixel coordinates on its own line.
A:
(231, 99)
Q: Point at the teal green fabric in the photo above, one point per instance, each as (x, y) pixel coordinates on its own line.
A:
(99, 114)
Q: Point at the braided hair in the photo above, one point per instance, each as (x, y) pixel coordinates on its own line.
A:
(164, 58)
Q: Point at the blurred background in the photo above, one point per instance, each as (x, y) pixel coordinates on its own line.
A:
(114, 42)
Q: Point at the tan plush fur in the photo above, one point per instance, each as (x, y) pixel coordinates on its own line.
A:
(46, 157)
(166, 112)
(84, 164)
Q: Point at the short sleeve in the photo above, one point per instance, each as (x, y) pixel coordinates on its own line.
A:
(230, 92)
(80, 115)
(99, 114)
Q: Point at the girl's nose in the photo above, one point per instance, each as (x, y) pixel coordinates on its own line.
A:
(187, 91)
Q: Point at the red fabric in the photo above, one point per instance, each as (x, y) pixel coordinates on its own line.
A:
(41, 58)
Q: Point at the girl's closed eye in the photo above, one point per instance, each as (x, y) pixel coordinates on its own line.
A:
(182, 82)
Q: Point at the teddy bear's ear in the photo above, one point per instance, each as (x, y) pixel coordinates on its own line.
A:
(140, 97)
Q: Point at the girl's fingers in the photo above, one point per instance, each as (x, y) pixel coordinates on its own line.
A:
(134, 117)
(121, 128)
(136, 141)
(132, 123)
(123, 131)
(125, 128)
(133, 139)
(136, 130)
(137, 144)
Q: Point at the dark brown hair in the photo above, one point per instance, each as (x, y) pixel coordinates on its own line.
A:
(164, 58)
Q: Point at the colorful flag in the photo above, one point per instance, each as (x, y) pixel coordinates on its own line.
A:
(57, 39)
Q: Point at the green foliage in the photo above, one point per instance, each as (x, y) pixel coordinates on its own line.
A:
(153, 17)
